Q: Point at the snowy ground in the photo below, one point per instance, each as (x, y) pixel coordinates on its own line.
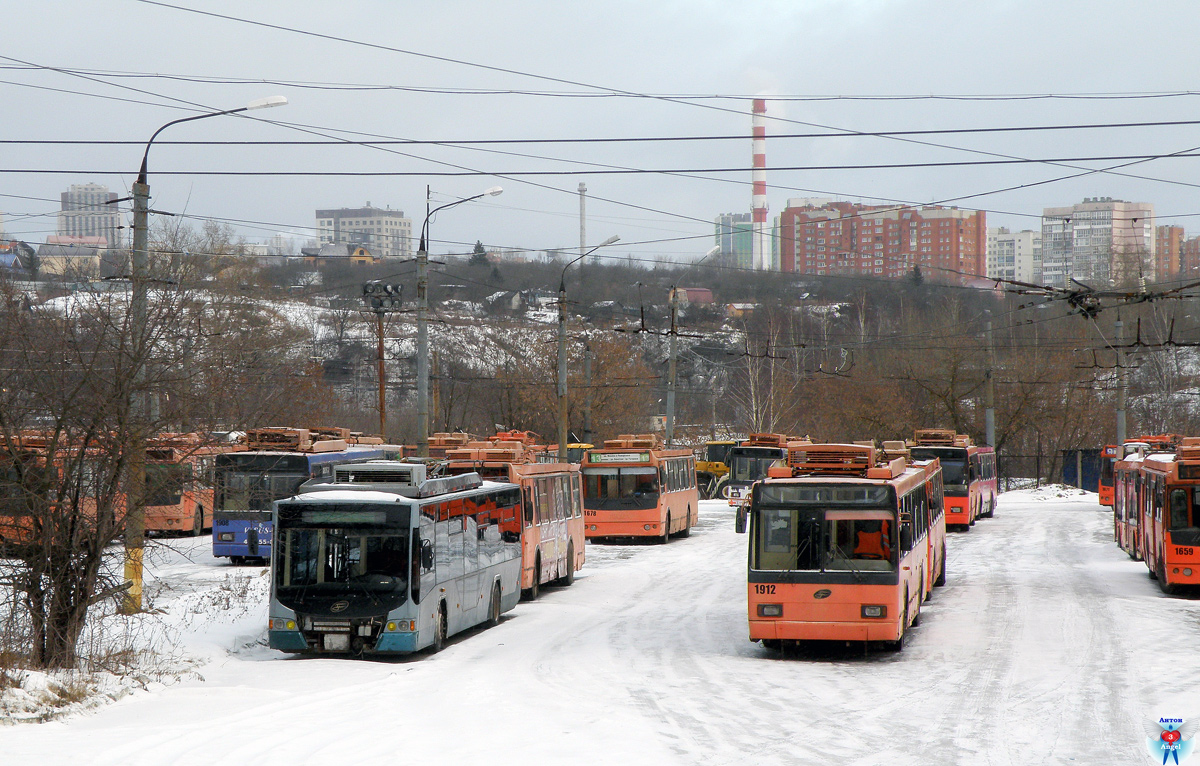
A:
(1048, 645)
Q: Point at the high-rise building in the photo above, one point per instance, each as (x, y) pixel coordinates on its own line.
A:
(1168, 252)
(1099, 242)
(385, 233)
(1013, 254)
(89, 210)
(735, 232)
(821, 237)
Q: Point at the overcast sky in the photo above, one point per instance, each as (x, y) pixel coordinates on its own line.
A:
(567, 68)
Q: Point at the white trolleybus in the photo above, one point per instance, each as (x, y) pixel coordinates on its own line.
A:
(382, 560)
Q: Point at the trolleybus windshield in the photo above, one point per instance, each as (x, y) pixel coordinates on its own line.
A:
(954, 466)
(165, 482)
(825, 528)
(331, 553)
(749, 464)
(633, 488)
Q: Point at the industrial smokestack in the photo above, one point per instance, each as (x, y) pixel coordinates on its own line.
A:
(760, 254)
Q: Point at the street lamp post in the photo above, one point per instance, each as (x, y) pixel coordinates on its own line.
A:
(562, 348)
(135, 516)
(423, 319)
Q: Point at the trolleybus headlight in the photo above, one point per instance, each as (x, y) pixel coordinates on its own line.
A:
(647, 527)
(225, 537)
(1187, 573)
(1175, 570)
(874, 610)
(770, 610)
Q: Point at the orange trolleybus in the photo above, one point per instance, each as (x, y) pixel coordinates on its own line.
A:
(180, 477)
(839, 546)
(1108, 459)
(968, 474)
(1169, 500)
(1127, 472)
(635, 488)
(552, 537)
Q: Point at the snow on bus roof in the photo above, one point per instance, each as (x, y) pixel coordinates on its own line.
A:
(378, 496)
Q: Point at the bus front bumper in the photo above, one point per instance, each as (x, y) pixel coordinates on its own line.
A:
(627, 528)
(786, 630)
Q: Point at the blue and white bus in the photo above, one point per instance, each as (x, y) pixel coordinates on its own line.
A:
(248, 482)
(372, 567)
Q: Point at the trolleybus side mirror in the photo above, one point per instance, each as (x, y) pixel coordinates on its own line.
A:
(906, 537)
(426, 554)
(739, 523)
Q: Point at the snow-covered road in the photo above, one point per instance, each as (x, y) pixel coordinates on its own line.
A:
(1047, 645)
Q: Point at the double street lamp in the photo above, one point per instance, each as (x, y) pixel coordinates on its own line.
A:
(562, 348)
(423, 319)
(135, 517)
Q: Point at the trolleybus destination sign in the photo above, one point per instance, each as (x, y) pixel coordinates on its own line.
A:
(619, 457)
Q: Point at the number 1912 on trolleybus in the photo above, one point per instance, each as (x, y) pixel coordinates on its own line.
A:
(840, 545)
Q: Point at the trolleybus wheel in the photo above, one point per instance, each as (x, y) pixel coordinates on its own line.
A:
(533, 591)
(439, 629)
(198, 522)
(898, 644)
(238, 560)
(687, 524)
(666, 533)
(494, 611)
(568, 576)
(1163, 585)
(917, 617)
(941, 580)
(774, 644)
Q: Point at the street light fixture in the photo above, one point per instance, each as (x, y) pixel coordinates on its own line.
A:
(562, 348)
(423, 318)
(135, 517)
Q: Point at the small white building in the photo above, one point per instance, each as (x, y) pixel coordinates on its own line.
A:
(1013, 254)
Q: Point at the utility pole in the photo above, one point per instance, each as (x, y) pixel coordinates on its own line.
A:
(135, 491)
(587, 396)
(1123, 381)
(423, 341)
(423, 317)
(562, 347)
(562, 370)
(671, 301)
(989, 391)
(582, 223)
(135, 515)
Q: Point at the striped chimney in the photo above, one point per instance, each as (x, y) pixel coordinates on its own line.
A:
(760, 253)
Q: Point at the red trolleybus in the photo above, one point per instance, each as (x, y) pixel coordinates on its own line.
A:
(180, 476)
(1127, 473)
(1170, 504)
(1108, 458)
(635, 488)
(968, 474)
(838, 546)
(936, 539)
(552, 537)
